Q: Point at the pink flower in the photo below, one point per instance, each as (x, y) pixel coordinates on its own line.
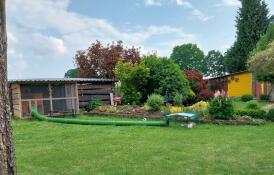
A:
(117, 99)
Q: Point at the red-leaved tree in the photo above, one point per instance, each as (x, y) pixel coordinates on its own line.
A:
(199, 85)
(99, 61)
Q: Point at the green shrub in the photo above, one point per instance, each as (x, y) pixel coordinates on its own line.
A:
(246, 97)
(155, 102)
(92, 104)
(221, 108)
(264, 97)
(199, 106)
(254, 113)
(236, 99)
(133, 79)
(111, 109)
(178, 99)
(270, 115)
(165, 76)
(165, 109)
(253, 104)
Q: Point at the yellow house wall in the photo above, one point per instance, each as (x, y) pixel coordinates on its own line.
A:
(240, 87)
(262, 87)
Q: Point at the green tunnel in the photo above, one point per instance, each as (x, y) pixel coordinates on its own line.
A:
(40, 117)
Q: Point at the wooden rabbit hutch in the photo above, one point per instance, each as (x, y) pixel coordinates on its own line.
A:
(57, 96)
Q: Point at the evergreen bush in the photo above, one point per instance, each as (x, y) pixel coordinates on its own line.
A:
(270, 115)
(178, 99)
(155, 102)
(253, 104)
(221, 108)
(92, 104)
(264, 97)
(246, 97)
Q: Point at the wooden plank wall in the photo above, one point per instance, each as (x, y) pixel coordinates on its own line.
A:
(16, 100)
(268, 88)
(219, 84)
(87, 92)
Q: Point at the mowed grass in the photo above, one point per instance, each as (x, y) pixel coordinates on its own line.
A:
(239, 105)
(44, 148)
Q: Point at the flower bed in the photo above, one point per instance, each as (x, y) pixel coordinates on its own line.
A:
(126, 111)
(131, 111)
(124, 115)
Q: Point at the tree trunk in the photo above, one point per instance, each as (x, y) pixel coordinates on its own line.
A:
(7, 159)
(270, 93)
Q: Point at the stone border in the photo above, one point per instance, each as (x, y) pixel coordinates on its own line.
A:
(203, 121)
(123, 115)
(232, 122)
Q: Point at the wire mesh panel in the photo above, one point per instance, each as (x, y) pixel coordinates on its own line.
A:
(50, 99)
(63, 90)
(64, 106)
(58, 90)
(34, 91)
(64, 98)
(43, 106)
(25, 108)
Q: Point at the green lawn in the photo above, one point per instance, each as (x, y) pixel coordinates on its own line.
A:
(55, 149)
(239, 105)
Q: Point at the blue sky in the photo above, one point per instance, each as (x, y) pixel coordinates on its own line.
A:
(43, 35)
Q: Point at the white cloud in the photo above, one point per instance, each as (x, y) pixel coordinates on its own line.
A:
(17, 64)
(196, 12)
(11, 37)
(44, 45)
(201, 15)
(45, 34)
(184, 3)
(234, 3)
(153, 3)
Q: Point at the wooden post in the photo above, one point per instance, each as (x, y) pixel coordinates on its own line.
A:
(16, 100)
(50, 98)
(77, 98)
(111, 99)
(30, 106)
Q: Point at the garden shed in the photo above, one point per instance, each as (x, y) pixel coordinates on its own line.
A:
(240, 83)
(57, 96)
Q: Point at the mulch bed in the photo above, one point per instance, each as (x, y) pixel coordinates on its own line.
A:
(126, 111)
(201, 121)
(150, 115)
(230, 122)
(141, 112)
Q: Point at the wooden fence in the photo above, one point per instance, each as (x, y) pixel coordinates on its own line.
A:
(87, 92)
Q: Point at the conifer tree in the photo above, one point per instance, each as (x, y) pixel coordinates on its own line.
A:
(252, 22)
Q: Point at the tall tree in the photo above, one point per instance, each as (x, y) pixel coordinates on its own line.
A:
(251, 23)
(71, 73)
(165, 76)
(265, 40)
(199, 86)
(100, 61)
(215, 64)
(262, 64)
(188, 57)
(133, 79)
(7, 158)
